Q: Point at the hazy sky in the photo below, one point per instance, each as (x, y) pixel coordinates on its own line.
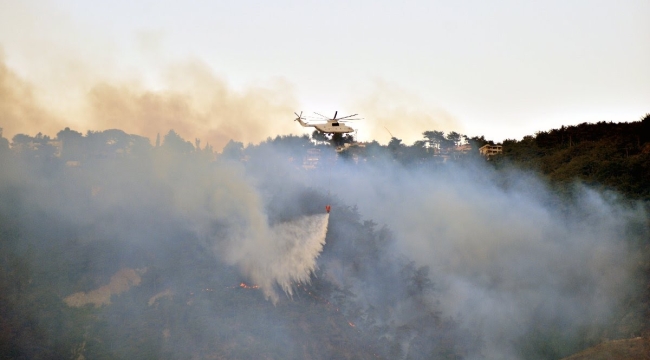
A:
(503, 68)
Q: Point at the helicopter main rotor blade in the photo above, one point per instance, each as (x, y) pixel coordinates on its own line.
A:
(321, 115)
(336, 112)
(345, 121)
(349, 116)
(313, 118)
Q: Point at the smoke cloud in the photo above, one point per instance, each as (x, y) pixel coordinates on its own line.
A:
(227, 212)
(196, 104)
(417, 258)
(393, 111)
(19, 108)
(192, 100)
(420, 260)
(511, 259)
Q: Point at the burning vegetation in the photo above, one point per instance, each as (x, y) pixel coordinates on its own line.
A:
(244, 286)
(436, 259)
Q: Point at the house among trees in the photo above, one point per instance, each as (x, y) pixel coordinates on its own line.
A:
(490, 150)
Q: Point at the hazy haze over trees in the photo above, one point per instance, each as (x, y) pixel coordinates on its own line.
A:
(430, 253)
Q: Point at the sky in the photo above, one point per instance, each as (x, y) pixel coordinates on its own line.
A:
(217, 70)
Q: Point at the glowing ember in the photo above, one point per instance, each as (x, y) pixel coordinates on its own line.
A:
(244, 286)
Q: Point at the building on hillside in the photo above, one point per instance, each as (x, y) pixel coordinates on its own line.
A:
(490, 150)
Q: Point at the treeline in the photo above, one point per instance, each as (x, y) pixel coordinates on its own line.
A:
(607, 155)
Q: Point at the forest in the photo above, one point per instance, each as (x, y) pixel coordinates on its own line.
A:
(113, 247)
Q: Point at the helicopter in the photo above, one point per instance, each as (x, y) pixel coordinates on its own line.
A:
(331, 125)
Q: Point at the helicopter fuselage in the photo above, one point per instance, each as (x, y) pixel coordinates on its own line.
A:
(330, 127)
(334, 127)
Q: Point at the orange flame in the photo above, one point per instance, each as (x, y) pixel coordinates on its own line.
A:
(244, 286)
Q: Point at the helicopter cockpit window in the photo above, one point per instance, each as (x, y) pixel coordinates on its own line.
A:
(335, 124)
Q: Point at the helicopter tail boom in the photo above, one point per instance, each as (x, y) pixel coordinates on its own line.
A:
(303, 123)
(299, 119)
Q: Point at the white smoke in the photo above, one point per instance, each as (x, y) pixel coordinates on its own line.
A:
(507, 253)
(228, 199)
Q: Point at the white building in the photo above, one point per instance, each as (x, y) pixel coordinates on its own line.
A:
(490, 150)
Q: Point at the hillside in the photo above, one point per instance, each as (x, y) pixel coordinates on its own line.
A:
(626, 349)
(607, 156)
(114, 248)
